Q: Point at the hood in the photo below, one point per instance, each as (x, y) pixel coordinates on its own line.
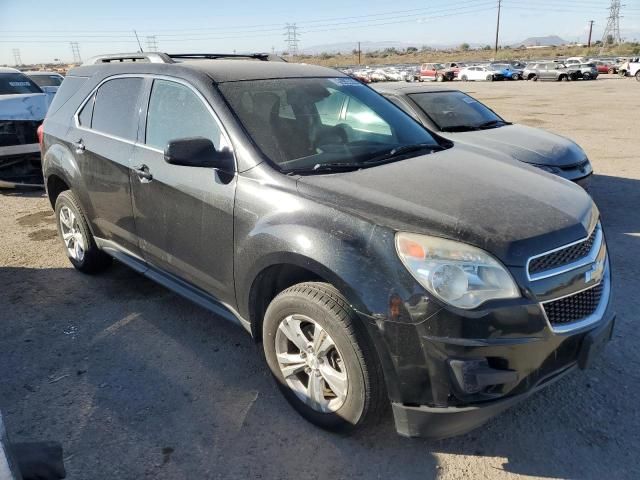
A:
(507, 208)
(24, 106)
(526, 144)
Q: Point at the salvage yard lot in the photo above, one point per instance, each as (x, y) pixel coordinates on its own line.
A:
(138, 383)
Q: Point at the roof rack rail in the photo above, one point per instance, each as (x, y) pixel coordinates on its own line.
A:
(267, 57)
(159, 57)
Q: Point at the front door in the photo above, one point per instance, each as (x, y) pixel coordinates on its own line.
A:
(184, 215)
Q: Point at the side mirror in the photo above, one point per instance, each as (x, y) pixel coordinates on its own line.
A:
(198, 152)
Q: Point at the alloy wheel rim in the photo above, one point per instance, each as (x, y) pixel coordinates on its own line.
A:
(71, 234)
(311, 363)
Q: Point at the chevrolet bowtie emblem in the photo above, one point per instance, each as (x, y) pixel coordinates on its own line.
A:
(594, 271)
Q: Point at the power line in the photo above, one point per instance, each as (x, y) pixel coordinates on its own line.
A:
(152, 43)
(75, 50)
(612, 30)
(16, 57)
(292, 38)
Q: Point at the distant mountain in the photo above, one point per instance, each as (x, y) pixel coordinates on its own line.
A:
(348, 47)
(548, 41)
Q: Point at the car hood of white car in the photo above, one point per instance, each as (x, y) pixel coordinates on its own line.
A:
(526, 144)
(25, 106)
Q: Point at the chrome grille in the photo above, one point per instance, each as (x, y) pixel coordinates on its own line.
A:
(574, 307)
(562, 257)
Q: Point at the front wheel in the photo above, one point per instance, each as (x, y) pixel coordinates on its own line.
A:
(586, 76)
(515, 76)
(80, 246)
(489, 78)
(321, 360)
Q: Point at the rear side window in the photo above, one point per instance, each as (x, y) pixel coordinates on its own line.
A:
(84, 117)
(116, 107)
(175, 112)
(68, 89)
(17, 83)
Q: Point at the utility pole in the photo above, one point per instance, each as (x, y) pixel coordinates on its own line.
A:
(16, 57)
(498, 25)
(359, 53)
(75, 50)
(292, 38)
(138, 40)
(591, 22)
(152, 43)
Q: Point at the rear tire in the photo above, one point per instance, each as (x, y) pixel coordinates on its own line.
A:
(533, 78)
(79, 244)
(586, 76)
(310, 315)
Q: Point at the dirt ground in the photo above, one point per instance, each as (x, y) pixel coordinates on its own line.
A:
(138, 383)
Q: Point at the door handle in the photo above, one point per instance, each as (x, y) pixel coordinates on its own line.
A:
(79, 146)
(142, 171)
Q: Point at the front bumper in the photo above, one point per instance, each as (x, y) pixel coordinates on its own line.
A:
(443, 422)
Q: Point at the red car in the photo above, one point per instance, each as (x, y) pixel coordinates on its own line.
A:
(604, 67)
(435, 71)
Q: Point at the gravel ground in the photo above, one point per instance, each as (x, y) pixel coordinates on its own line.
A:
(138, 383)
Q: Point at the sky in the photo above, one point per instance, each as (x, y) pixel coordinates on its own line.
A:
(42, 31)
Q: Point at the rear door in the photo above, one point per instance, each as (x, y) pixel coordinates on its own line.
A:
(106, 127)
(184, 215)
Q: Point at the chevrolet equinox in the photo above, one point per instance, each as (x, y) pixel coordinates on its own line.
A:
(376, 262)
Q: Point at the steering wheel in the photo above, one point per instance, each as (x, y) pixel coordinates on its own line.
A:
(336, 135)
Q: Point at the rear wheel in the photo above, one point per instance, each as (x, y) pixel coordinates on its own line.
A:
(586, 76)
(80, 246)
(533, 78)
(563, 78)
(321, 360)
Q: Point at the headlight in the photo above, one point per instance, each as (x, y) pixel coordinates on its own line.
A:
(458, 274)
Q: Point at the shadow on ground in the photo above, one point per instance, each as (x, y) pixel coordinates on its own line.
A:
(139, 383)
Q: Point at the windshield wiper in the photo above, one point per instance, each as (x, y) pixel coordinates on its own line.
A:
(402, 150)
(492, 124)
(459, 128)
(326, 168)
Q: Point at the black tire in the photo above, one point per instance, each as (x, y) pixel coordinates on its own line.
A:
(515, 76)
(533, 78)
(622, 73)
(586, 76)
(440, 78)
(638, 76)
(563, 78)
(94, 260)
(464, 78)
(366, 397)
(612, 71)
(490, 78)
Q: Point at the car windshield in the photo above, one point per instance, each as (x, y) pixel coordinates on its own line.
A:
(47, 80)
(317, 125)
(15, 83)
(456, 111)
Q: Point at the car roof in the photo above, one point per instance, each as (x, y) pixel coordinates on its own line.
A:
(40, 72)
(219, 70)
(404, 89)
(9, 70)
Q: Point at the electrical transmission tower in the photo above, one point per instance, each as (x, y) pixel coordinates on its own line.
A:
(16, 56)
(75, 50)
(612, 30)
(152, 43)
(292, 38)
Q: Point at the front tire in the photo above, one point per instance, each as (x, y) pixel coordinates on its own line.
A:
(586, 76)
(80, 246)
(489, 78)
(320, 358)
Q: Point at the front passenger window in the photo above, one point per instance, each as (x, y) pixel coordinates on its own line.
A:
(175, 112)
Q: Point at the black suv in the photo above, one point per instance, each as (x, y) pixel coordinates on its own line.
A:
(376, 261)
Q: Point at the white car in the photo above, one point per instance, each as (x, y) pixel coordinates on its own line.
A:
(46, 79)
(478, 73)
